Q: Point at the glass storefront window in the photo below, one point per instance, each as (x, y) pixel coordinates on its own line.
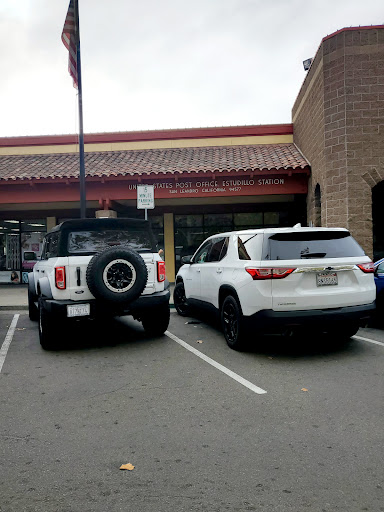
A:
(20, 247)
(31, 245)
(192, 230)
(9, 251)
(188, 221)
(271, 219)
(157, 224)
(218, 219)
(34, 225)
(248, 220)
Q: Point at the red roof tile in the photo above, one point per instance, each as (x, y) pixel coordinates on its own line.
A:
(154, 161)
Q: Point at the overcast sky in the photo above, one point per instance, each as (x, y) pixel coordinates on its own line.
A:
(152, 64)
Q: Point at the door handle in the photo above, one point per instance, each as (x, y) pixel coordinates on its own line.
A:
(218, 270)
(198, 270)
(42, 271)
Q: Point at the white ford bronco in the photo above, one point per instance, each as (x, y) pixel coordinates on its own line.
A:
(97, 269)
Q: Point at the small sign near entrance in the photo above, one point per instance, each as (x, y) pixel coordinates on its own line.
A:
(145, 197)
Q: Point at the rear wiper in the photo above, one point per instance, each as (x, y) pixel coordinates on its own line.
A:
(249, 239)
(314, 255)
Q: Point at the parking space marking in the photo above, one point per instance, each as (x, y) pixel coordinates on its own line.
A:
(217, 365)
(8, 339)
(367, 339)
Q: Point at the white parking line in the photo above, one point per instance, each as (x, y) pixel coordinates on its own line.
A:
(217, 365)
(8, 338)
(367, 339)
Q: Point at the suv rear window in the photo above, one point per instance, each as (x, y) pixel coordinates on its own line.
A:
(307, 245)
(88, 242)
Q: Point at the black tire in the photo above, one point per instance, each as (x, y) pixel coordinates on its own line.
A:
(156, 320)
(48, 334)
(33, 310)
(232, 323)
(117, 275)
(179, 300)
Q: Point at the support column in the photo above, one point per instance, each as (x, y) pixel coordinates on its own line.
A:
(169, 246)
(51, 223)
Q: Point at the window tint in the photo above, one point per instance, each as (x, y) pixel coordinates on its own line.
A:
(52, 245)
(380, 269)
(224, 249)
(44, 249)
(85, 242)
(217, 250)
(306, 245)
(201, 255)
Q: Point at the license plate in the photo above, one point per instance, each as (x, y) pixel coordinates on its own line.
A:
(326, 279)
(79, 310)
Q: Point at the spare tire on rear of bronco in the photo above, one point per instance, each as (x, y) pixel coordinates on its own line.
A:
(117, 274)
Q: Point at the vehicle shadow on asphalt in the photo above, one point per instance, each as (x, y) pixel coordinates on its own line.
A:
(298, 345)
(111, 333)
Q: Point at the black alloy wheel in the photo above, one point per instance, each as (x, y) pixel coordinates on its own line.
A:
(120, 276)
(180, 300)
(231, 321)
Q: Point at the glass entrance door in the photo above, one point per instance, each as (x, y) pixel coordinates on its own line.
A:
(9, 252)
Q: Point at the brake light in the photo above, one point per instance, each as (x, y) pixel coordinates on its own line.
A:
(60, 278)
(269, 273)
(367, 268)
(160, 271)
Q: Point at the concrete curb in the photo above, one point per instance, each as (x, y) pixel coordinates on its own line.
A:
(13, 308)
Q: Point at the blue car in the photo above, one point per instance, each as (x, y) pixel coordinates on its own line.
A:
(379, 282)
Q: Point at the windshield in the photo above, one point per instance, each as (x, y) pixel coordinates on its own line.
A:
(86, 242)
(307, 245)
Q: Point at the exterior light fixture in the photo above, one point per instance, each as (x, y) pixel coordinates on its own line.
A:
(307, 64)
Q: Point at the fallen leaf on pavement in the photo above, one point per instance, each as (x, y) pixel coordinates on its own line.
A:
(199, 341)
(128, 466)
(304, 389)
(20, 328)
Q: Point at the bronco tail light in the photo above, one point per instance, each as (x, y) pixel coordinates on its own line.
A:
(269, 273)
(367, 268)
(60, 278)
(160, 271)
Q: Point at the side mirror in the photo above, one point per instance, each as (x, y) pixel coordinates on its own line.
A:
(186, 260)
(30, 256)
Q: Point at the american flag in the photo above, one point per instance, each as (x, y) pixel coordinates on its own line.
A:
(69, 38)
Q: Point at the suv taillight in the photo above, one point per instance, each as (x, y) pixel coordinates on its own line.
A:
(367, 268)
(268, 273)
(160, 271)
(60, 278)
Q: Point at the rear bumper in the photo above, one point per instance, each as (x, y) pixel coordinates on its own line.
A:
(318, 319)
(59, 307)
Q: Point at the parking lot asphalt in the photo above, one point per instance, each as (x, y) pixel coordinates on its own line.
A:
(198, 438)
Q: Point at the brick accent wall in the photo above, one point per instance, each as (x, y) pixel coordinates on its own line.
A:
(338, 121)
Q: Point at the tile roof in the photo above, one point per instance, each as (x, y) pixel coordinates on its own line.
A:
(154, 161)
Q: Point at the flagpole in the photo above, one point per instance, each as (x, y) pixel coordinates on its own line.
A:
(81, 131)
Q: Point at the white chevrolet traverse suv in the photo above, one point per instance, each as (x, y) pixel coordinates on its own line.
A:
(279, 280)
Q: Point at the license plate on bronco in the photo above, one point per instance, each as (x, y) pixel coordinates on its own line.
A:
(326, 279)
(78, 310)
